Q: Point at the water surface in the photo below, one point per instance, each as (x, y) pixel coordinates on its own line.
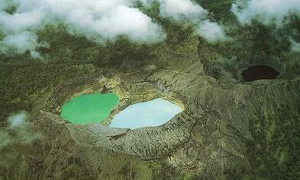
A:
(89, 108)
(152, 113)
(258, 72)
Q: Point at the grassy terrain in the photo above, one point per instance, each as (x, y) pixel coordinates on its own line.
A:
(24, 81)
(273, 155)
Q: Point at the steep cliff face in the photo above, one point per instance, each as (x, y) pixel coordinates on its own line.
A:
(239, 126)
(66, 158)
(228, 129)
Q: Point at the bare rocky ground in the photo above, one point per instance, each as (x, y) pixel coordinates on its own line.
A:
(229, 129)
(222, 120)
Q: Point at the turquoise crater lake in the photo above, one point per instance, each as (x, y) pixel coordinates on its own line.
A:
(146, 114)
(89, 108)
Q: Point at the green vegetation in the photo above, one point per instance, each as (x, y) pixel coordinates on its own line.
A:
(274, 153)
(220, 9)
(24, 81)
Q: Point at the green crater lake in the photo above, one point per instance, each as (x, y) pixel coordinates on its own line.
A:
(89, 108)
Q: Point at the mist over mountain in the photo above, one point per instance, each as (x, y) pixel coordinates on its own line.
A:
(98, 21)
(231, 67)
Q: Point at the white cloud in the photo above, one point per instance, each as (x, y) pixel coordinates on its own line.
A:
(3, 5)
(18, 132)
(265, 11)
(17, 120)
(182, 10)
(97, 20)
(211, 31)
(21, 21)
(187, 11)
(130, 22)
(295, 47)
(23, 129)
(20, 43)
(106, 20)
